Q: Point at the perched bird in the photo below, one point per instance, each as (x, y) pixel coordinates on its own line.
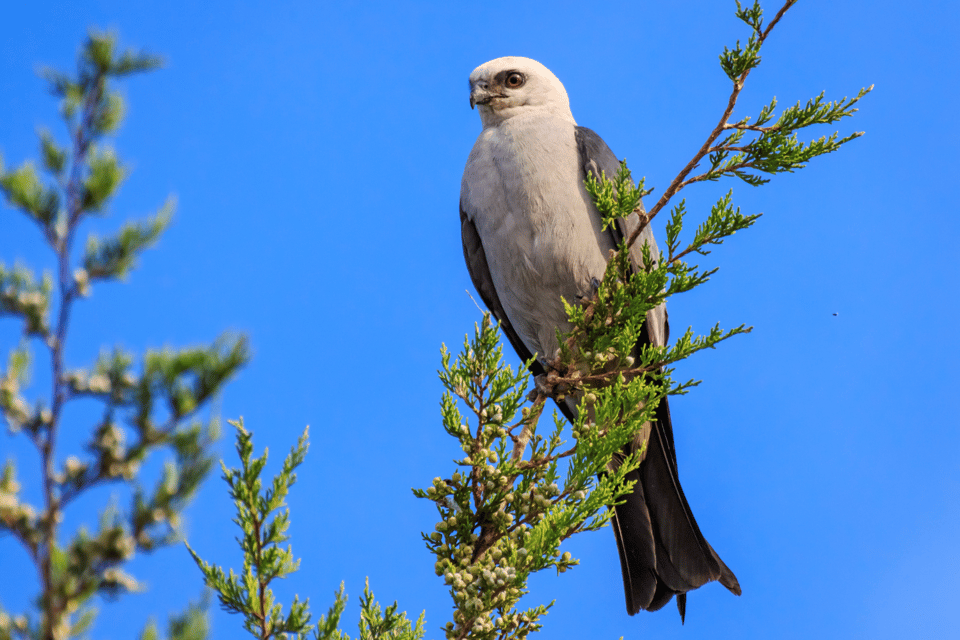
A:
(531, 235)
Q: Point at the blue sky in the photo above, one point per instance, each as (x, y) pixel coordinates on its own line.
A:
(316, 150)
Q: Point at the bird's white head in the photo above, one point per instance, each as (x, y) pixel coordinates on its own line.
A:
(511, 86)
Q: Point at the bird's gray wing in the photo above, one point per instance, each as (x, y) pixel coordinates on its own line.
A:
(662, 551)
(597, 158)
(480, 274)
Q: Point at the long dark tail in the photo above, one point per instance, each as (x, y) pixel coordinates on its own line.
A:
(662, 552)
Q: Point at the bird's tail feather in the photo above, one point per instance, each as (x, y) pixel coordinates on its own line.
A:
(662, 552)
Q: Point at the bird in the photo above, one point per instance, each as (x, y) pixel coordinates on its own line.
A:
(532, 236)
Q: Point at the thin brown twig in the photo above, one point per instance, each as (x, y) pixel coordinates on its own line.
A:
(59, 391)
(680, 181)
(606, 375)
(520, 441)
(706, 176)
(729, 148)
(776, 18)
(752, 127)
(476, 488)
(692, 248)
(261, 584)
(547, 459)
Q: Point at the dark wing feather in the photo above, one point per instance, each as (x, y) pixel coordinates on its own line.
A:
(662, 551)
(480, 274)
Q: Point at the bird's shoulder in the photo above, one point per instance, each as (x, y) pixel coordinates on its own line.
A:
(595, 155)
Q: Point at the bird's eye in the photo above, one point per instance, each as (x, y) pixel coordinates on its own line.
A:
(515, 80)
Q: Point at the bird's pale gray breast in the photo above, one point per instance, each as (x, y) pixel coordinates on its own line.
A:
(523, 188)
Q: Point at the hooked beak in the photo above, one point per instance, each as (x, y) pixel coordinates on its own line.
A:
(480, 94)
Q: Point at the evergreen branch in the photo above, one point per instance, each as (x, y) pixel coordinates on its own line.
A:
(182, 380)
(737, 64)
(23, 190)
(21, 295)
(113, 257)
(63, 238)
(263, 518)
(723, 221)
(616, 197)
(17, 517)
(777, 150)
(192, 624)
(85, 176)
(377, 624)
(263, 532)
(504, 514)
(328, 628)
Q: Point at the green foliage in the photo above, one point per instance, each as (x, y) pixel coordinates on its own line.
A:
(776, 148)
(264, 560)
(100, 111)
(113, 257)
(264, 519)
(17, 627)
(375, 624)
(17, 517)
(383, 625)
(616, 197)
(607, 328)
(738, 62)
(328, 628)
(503, 514)
(24, 190)
(23, 296)
(54, 156)
(192, 624)
(151, 409)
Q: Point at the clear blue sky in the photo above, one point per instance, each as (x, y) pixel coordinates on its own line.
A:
(316, 151)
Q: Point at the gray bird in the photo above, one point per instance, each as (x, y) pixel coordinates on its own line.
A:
(531, 235)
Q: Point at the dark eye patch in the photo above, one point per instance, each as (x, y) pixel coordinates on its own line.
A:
(511, 79)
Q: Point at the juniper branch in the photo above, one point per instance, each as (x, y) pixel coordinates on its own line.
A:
(776, 150)
(88, 175)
